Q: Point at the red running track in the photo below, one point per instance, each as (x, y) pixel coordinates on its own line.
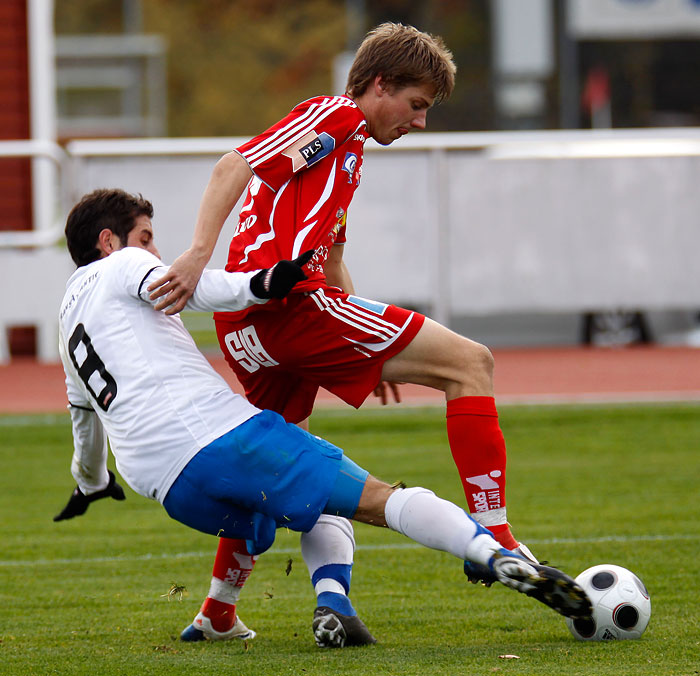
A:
(537, 375)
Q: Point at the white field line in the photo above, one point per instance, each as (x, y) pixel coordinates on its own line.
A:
(295, 550)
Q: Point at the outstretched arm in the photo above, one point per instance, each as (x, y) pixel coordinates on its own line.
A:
(226, 185)
(221, 291)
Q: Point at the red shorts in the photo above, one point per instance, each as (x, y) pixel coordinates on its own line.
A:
(322, 338)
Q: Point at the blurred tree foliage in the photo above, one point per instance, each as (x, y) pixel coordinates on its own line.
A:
(87, 16)
(236, 66)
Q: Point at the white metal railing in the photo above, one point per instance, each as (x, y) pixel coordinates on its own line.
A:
(556, 144)
(56, 199)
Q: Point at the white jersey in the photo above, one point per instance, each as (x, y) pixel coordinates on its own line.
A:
(136, 373)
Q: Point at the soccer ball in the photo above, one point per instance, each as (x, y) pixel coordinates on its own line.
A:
(621, 605)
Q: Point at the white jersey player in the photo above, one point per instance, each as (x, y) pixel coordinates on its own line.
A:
(131, 362)
(215, 462)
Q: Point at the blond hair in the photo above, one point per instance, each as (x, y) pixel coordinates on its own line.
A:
(403, 56)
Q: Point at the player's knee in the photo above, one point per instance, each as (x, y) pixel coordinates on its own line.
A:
(394, 509)
(475, 360)
(337, 522)
(483, 358)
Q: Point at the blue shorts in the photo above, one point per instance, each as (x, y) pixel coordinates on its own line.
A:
(262, 475)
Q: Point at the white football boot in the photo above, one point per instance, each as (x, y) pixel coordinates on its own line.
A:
(201, 629)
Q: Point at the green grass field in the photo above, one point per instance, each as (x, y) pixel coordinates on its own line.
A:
(586, 485)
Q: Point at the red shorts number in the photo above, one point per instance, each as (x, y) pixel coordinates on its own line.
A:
(283, 353)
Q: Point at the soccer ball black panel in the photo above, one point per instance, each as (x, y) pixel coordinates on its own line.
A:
(626, 617)
(603, 580)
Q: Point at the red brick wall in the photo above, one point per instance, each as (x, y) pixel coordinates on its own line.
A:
(15, 174)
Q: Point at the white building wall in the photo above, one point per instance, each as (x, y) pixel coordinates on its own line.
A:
(453, 224)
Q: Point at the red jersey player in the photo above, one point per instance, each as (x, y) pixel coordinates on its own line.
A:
(301, 175)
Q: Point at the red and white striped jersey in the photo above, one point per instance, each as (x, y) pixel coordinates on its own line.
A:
(307, 167)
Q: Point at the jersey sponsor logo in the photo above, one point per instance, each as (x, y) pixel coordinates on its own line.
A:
(245, 347)
(349, 164)
(245, 224)
(359, 137)
(309, 149)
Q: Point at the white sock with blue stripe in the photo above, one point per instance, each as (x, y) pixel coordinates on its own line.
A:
(328, 550)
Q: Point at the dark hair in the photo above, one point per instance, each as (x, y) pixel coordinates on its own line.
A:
(403, 56)
(113, 209)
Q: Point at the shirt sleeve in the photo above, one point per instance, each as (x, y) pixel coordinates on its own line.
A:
(310, 132)
(89, 463)
(216, 291)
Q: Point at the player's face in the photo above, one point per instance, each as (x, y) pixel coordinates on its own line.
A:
(399, 111)
(141, 235)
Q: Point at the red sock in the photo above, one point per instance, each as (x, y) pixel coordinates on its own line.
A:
(479, 451)
(233, 564)
(222, 615)
(232, 567)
